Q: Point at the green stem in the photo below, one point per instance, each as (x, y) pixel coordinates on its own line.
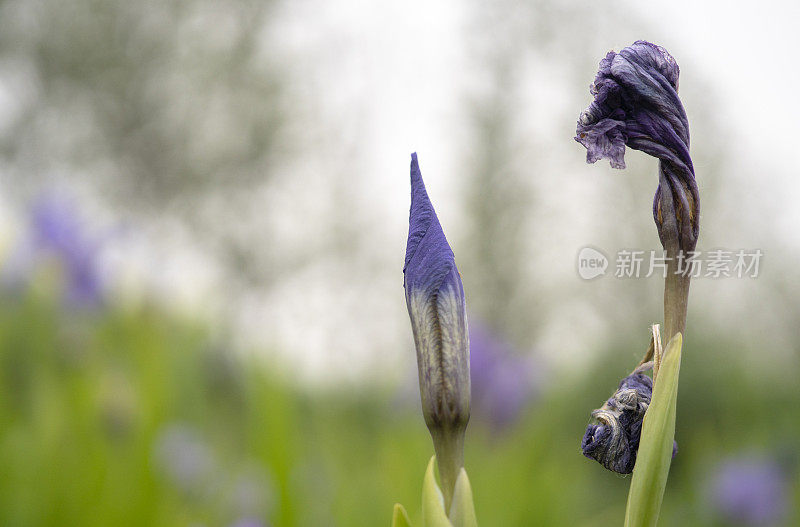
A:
(449, 447)
(658, 429)
(676, 298)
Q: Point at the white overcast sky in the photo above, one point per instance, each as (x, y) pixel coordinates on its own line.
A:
(394, 75)
(388, 78)
(750, 49)
(397, 70)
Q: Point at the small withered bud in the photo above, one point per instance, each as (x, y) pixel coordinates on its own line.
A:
(436, 306)
(612, 439)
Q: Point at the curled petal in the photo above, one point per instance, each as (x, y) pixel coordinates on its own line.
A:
(636, 104)
(605, 139)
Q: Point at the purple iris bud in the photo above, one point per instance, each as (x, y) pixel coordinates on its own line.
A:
(750, 491)
(435, 301)
(636, 104)
(612, 439)
(502, 381)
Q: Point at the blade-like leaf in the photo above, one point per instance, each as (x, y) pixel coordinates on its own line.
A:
(433, 514)
(400, 517)
(462, 511)
(655, 447)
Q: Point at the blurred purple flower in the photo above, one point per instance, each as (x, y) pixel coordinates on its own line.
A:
(250, 493)
(184, 457)
(750, 491)
(56, 230)
(248, 522)
(503, 382)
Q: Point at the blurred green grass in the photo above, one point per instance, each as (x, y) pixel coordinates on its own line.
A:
(86, 398)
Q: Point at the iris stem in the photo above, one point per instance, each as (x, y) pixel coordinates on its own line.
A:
(449, 447)
(676, 297)
(676, 284)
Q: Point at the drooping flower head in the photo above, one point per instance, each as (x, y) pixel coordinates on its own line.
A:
(435, 300)
(636, 104)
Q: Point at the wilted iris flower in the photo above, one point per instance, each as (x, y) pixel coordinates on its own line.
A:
(435, 301)
(750, 491)
(613, 438)
(636, 104)
(502, 381)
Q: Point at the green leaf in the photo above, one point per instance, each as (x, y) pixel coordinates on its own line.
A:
(400, 517)
(433, 514)
(655, 447)
(462, 511)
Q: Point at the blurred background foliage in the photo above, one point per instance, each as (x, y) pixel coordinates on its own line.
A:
(203, 213)
(130, 417)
